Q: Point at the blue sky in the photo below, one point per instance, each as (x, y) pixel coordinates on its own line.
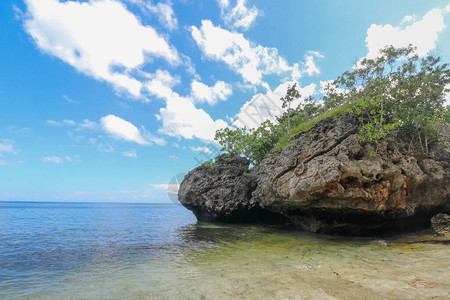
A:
(108, 100)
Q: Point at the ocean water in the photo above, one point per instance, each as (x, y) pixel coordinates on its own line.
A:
(154, 251)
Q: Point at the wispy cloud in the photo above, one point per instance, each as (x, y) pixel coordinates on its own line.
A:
(163, 10)
(70, 100)
(239, 16)
(201, 149)
(130, 153)
(61, 123)
(60, 159)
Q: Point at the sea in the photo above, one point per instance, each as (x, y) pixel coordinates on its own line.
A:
(159, 251)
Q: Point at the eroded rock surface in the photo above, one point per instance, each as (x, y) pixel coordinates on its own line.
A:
(223, 192)
(327, 181)
(440, 224)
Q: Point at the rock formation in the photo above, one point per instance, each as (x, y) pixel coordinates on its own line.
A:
(440, 224)
(327, 181)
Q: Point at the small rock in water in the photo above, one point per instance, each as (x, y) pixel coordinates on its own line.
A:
(440, 224)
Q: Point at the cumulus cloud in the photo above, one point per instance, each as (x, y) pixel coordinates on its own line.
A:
(264, 106)
(180, 117)
(246, 58)
(249, 60)
(99, 38)
(310, 64)
(161, 83)
(124, 130)
(211, 94)
(240, 16)
(422, 33)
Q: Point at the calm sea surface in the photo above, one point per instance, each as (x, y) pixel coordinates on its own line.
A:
(153, 251)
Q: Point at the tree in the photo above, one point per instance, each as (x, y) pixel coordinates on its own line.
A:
(396, 89)
(253, 143)
(291, 94)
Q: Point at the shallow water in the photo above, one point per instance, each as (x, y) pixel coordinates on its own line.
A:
(136, 251)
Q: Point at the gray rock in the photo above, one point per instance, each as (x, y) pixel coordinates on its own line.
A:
(327, 181)
(222, 192)
(440, 224)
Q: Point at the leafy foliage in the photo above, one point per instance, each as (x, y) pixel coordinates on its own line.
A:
(249, 142)
(396, 90)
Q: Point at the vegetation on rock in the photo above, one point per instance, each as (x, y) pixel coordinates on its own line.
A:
(396, 90)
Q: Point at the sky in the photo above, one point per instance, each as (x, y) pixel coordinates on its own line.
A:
(114, 101)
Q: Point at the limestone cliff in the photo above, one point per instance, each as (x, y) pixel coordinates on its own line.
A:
(327, 181)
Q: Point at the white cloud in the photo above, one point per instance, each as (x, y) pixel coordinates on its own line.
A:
(53, 123)
(6, 146)
(163, 10)
(165, 14)
(86, 124)
(180, 117)
(53, 159)
(174, 157)
(99, 38)
(105, 148)
(61, 123)
(249, 60)
(59, 159)
(311, 68)
(201, 149)
(202, 93)
(267, 106)
(423, 33)
(121, 129)
(70, 100)
(131, 153)
(69, 122)
(238, 16)
(407, 19)
(161, 83)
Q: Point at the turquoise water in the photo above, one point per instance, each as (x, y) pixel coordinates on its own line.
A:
(151, 251)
